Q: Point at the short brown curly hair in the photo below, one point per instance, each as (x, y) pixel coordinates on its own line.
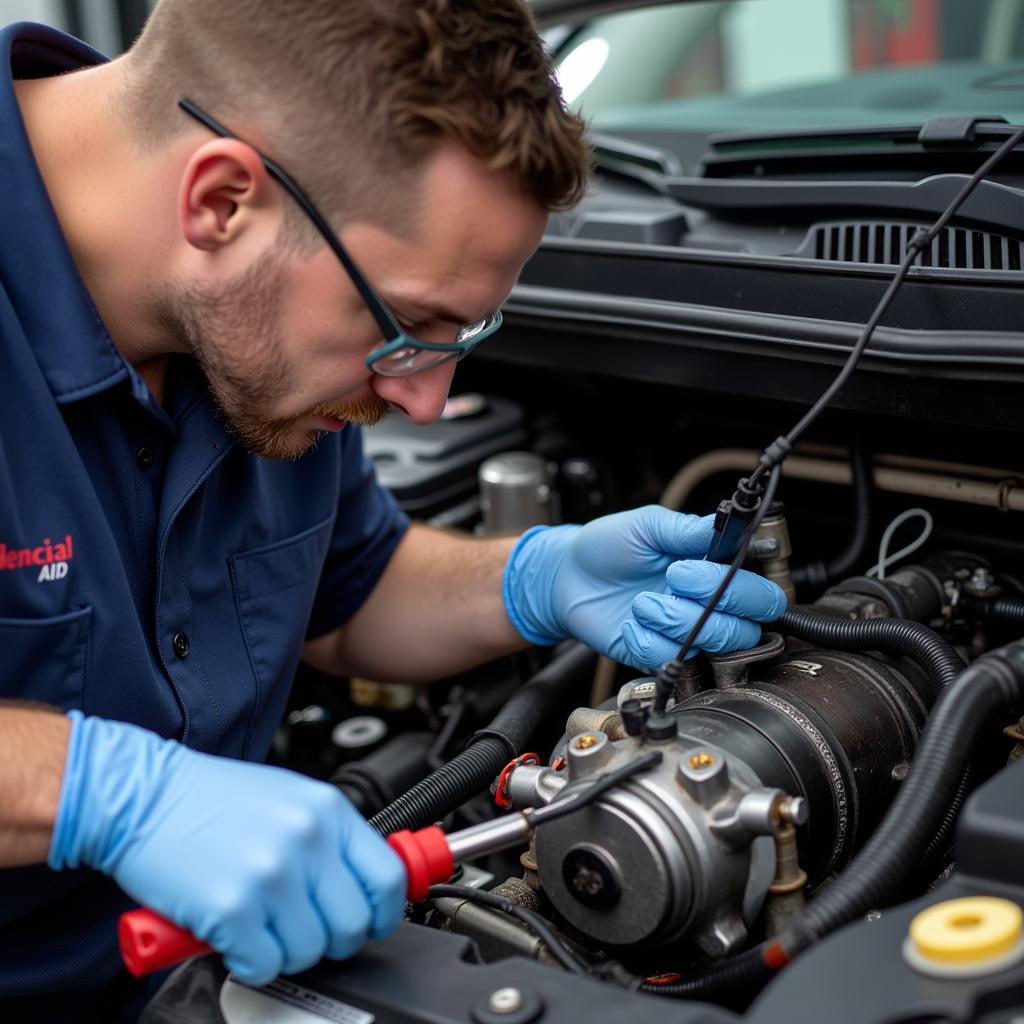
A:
(352, 95)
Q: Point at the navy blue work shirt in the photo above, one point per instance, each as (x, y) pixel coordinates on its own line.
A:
(151, 569)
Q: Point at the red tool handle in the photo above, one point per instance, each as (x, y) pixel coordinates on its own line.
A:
(150, 942)
(427, 858)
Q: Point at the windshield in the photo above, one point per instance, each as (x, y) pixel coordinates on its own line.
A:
(769, 65)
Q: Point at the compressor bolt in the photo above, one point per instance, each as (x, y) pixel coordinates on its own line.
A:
(793, 810)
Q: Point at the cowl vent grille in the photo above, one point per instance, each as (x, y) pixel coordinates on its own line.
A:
(885, 242)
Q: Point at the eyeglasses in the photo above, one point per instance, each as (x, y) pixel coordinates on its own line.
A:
(400, 354)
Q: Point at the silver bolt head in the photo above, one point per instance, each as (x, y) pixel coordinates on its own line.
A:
(505, 1000)
(794, 810)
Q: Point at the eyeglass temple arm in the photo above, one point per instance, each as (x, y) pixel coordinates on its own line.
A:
(385, 321)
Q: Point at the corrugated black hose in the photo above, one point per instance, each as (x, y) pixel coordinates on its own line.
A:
(472, 771)
(899, 636)
(1002, 609)
(895, 636)
(820, 574)
(993, 684)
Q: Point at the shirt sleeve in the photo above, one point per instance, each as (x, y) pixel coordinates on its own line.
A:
(367, 530)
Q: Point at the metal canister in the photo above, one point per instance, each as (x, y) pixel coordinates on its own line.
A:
(515, 492)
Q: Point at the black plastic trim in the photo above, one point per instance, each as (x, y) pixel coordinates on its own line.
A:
(950, 348)
(991, 205)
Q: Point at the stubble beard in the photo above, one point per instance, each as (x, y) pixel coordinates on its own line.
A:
(244, 317)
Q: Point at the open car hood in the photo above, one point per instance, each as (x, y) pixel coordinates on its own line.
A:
(551, 12)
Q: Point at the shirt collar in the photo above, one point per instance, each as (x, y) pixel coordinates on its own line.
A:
(56, 313)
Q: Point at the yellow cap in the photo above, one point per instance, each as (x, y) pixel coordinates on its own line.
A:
(972, 930)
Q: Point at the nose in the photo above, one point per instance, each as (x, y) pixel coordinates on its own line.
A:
(419, 397)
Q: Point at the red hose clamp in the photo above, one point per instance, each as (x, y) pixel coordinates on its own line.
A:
(500, 796)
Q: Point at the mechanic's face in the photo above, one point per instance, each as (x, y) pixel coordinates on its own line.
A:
(283, 344)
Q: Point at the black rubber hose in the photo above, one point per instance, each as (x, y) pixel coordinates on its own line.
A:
(820, 574)
(942, 841)
(994, 683)
(473, 770)
(895, 636)
(911, 639)
(1003, 609)
(736, 974)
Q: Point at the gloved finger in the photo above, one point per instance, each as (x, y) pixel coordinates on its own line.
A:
(675, 618)
(346, 911)
(301, 931)
(646, 649)
(256, 957)
(750, 596)
(675, 533)
(382, 876)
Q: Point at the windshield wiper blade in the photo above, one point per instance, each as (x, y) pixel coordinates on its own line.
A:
(991, 206)
(943, 130)
(648, 164)
(803, 177)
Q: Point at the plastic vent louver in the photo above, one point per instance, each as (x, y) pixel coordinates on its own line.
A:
(885, 242)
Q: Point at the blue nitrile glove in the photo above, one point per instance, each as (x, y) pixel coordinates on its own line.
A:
(618, 585)
(272, 869)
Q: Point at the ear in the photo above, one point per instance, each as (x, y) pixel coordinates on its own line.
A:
(225, 192)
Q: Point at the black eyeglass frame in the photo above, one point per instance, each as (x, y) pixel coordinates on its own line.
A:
(395, 338)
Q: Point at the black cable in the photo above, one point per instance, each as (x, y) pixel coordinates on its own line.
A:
(558, 949)
(668, 675)
(471, 771)
(557, 809)
(777, 452)
(601, 784)
(820, 574)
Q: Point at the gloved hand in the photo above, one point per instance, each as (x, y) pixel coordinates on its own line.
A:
(627, 585)
(272, 869)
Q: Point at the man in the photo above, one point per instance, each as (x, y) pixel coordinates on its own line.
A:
(188, 342)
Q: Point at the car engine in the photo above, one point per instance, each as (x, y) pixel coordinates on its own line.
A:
(778, 776)
(827, 825)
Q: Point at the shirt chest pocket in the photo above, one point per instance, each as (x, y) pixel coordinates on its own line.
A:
(46, 659)
(274, 587)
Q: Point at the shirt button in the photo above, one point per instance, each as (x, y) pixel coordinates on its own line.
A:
(145, 457)
(180, 644)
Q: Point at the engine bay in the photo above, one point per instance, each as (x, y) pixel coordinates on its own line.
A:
(781, 770)
(765, 833)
